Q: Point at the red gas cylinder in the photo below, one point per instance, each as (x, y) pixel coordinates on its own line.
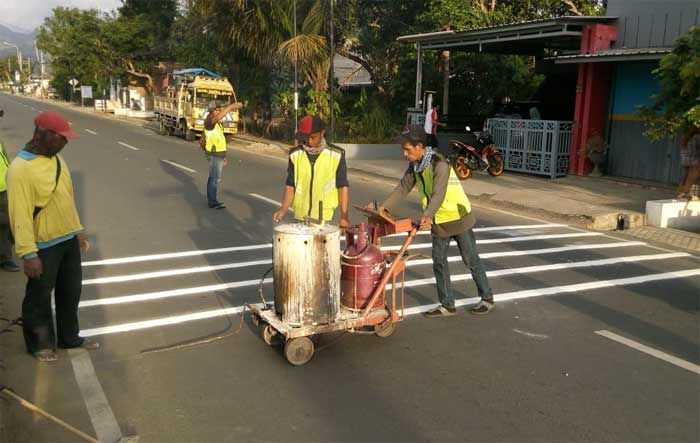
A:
(362, 265)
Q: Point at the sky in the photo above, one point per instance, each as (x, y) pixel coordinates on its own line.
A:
(27, 15)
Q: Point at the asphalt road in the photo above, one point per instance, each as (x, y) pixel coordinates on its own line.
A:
(594, 338)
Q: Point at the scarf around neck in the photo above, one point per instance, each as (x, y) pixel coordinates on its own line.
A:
(317, 150)
(425, 161)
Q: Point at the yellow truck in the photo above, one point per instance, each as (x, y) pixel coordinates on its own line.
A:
(183, 108)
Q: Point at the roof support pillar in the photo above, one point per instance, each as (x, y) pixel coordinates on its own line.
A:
(419, 74)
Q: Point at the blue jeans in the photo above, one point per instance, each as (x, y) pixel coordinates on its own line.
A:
(216, 165)
(466, 242)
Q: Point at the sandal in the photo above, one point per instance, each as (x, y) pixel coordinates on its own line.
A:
(46, 355)
(441, 311)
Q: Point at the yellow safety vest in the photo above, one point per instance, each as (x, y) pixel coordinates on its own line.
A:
(456, 204)
(215, 139)
(4, 164)
(313, 184)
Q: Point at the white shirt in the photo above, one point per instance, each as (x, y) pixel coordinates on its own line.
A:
(429, 122)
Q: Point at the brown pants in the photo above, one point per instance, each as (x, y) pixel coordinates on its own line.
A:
(690, 177)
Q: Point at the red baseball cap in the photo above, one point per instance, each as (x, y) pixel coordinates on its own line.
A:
(309, 125)
(53, 121)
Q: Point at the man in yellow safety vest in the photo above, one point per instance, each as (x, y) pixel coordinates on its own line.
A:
(446, 209)
(6, 261)
(214, 145)
(316, 176)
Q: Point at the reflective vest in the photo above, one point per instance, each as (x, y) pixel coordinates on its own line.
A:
(215, 139)
(4, 164)
(315, 183)
(456, 204)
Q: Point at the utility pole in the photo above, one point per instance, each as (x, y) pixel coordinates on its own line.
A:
(296, 74)
(332, 76)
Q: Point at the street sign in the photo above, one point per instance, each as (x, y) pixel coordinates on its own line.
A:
(86, 91)
(73, 82)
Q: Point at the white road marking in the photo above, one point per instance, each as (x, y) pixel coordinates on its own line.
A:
(91, 132)
(692, 367)
(554, 290)
(170, 255)
(173, 272)
(408, 284)
(184, 168)
(202, 269)
(497, 229)
(101, 415)
(265, 199)
(128, 146)
(531, 334)
(505, 240)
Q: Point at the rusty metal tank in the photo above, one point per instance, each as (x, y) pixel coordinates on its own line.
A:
(362, 266)
(306, 263)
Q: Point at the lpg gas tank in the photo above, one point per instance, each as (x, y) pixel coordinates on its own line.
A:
(306, 262)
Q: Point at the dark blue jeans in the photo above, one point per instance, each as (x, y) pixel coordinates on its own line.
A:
(216, 165)
(466, 242)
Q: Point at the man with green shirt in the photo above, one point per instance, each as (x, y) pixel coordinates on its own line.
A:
(6, 261)
(447, 211)
(48, 238)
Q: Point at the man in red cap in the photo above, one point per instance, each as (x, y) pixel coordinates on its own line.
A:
(316, 176)
(48, 238)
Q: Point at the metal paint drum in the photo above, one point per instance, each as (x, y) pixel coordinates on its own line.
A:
(306, 261)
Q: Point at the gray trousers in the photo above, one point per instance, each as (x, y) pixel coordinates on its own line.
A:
(5, 232)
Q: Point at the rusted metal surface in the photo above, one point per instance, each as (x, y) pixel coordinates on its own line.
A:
(362, 266)
(307, 274)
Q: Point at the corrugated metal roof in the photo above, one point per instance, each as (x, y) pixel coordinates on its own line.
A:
(625, 54)
(577, 20)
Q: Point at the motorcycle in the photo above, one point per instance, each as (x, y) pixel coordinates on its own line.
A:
(478, 152)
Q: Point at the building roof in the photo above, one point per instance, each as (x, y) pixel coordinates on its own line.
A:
(350, 73)
(614, 55)
(523, 37)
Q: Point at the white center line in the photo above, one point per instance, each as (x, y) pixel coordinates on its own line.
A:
(540, 292)
(692, 367)
(265, 199)
(91, 132)
(128, 146)
(184, 168)
(505, 240)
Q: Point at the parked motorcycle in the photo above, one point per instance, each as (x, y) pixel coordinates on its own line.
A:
(478, 153)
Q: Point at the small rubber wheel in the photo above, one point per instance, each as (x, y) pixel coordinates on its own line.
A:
(385, 330)
(255, 318)
(462, 169)
(299, 351)
(269, 335)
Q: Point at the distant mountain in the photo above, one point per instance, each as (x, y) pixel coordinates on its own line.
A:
(23, 40)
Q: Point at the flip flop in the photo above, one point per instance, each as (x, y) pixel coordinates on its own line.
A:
(46, 355)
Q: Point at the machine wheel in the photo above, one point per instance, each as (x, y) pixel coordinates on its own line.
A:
(190, 135)
(496, 165)
(269, 335)
(299, 351)
(385, 330)
(255, 318)
(462, 169)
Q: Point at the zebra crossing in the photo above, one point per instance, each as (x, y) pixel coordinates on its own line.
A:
(522, 261)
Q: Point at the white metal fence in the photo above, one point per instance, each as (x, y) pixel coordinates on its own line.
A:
(534, 146)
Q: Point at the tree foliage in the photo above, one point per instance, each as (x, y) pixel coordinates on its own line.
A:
(677, 105)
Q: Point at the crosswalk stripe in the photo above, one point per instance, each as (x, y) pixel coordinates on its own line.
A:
(410, 283)
(505, 240)
(528, 293)
(193, 253)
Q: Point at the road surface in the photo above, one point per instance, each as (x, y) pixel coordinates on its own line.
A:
(594, 338)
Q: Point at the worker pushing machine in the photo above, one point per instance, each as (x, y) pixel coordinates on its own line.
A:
(316, 176)
(447, 211)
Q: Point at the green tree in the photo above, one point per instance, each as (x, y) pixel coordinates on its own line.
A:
(71, 37)
(677, 105)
